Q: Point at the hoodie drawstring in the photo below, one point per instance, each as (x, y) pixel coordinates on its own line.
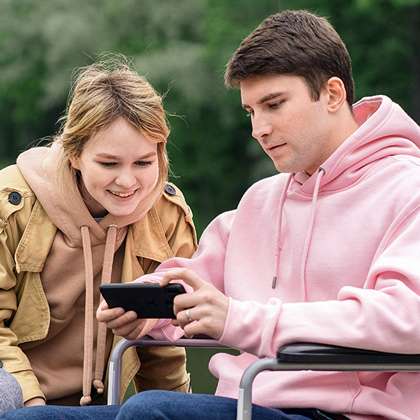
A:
(111, 238)
(278, 232)
(89, 314)
(308, 238)
(88, 347)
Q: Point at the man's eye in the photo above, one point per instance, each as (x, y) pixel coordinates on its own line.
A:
(275, 105)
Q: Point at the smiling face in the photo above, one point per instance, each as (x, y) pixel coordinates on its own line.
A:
(118, 167)
(292, 128)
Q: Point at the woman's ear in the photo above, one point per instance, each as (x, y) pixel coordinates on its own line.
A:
(74, 163)
(336, 94)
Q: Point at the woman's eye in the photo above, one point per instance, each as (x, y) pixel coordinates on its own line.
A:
(107, 164)
(143, 162)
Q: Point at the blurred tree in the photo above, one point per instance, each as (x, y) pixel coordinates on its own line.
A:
(182, 46)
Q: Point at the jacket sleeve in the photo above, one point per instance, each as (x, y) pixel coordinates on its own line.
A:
(383, 315)
(14, 359)
(164, 367)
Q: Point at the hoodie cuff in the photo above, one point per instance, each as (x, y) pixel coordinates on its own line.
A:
(252, 327)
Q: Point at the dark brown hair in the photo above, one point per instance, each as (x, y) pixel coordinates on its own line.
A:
(293, 42)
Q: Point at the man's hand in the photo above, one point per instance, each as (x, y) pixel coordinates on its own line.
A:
(124, 324)
(34, 401)
(203, 311)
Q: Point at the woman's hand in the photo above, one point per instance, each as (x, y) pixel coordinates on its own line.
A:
(203, 311)
(124, 324)
(34, 401)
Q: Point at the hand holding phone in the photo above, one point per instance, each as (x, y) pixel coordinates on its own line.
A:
(148, 300)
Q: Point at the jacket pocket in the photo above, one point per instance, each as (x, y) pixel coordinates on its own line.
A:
(32, 317)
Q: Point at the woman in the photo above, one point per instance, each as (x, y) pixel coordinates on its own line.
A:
(93, 207)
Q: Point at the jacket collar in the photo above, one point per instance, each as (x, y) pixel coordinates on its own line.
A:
(148, 236)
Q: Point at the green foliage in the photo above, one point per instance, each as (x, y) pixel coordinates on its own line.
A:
(182, 46)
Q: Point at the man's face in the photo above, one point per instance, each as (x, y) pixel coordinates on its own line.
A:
(292, 128)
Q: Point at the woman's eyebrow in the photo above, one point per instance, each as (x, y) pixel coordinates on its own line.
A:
(110, 156)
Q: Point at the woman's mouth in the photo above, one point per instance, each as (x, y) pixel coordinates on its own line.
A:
(120, 194)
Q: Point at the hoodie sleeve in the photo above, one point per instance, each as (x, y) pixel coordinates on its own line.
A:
(208, 262)
(382, 316)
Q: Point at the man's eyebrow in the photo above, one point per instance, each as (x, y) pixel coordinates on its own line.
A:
(270, 96)
(265, 98)
(109, 156)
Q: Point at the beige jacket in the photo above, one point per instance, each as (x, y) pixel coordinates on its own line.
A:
(26, 235)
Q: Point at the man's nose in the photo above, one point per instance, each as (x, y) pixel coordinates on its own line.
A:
(261, 128)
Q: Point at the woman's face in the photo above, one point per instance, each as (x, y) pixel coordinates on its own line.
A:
(118, 167)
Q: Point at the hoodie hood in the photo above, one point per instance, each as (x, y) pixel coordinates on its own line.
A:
(61, 199)
(384, 130)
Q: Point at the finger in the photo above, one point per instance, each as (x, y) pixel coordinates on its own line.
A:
(130, 329)
(126, 318)
(107, 315)
(188, 276)
(102, 305)
(186, 300)
(136, 332)
(147, 326)
(194, 328)
(185, 317)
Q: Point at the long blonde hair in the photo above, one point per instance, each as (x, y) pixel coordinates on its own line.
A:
(102, 92)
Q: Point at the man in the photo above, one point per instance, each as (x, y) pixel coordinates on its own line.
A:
(327, 251)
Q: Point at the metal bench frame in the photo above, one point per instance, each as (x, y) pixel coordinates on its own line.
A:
(293, 357)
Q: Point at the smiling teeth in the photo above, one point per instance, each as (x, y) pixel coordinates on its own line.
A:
(123, 195)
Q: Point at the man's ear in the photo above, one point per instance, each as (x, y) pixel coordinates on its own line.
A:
(336, 92)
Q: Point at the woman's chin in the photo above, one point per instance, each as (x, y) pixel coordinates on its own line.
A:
(122, 211)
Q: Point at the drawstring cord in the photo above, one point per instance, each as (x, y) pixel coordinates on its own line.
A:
(308, 238)
(88, 334)
(278, 232)
(101, 337)
(89, 314)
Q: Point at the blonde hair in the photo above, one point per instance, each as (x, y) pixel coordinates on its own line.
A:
(104, 91)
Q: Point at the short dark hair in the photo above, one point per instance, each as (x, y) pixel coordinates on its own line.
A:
(293, 42)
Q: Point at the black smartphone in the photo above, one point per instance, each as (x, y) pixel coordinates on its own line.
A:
(148, 300)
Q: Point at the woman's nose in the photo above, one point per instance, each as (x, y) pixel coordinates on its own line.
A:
(125, 179)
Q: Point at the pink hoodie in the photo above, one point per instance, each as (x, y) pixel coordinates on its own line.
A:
(344, 246)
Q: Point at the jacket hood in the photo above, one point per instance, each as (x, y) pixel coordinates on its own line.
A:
(64, 203)
(384, 130)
